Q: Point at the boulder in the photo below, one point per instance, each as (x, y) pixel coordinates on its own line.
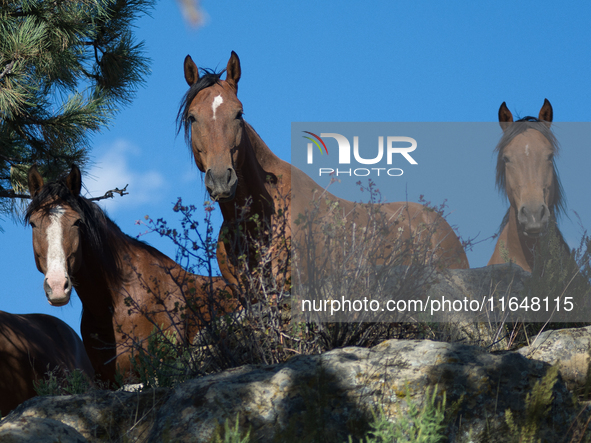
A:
(570, 349)
(98, 416)
(321, 397)
(329, 397)
(38, 430)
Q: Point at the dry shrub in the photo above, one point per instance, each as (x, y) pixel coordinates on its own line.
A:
(356, 262)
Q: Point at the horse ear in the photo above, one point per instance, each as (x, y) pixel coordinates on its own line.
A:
(74, 181)
(505, 117)
(191, 71)
(233, 71)
(546, 113)
(35, 181)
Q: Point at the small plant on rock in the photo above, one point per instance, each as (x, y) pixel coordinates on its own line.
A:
(62, 382)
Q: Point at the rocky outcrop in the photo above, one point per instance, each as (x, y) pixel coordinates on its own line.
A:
(97, 416)
(39, 430)
(570, 349)
(326, 397)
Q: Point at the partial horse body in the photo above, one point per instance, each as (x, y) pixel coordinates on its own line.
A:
(127, 288)
(526, 172)
(242, 172)
(31, 345)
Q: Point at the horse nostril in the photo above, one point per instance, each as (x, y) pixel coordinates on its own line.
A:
(46, 287)
(67, 285)
(209, 180)
(233, 178)
(229, 175)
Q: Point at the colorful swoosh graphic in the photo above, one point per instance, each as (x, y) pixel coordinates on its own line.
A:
(315, 142)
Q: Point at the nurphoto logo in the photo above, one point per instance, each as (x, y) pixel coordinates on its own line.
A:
(394, 145)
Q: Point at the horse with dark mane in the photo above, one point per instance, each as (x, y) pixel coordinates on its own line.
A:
(526, 172)
(244, 176)
(30, 346)
(127, 287)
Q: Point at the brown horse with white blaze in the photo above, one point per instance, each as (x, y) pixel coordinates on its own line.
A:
(31, 345)
(242, 172)
(526, 172)
(127, 287)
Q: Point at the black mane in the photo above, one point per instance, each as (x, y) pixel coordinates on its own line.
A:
(208, 78)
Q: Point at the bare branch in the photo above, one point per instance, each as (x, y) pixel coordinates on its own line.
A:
(110, 194)
(9, 193)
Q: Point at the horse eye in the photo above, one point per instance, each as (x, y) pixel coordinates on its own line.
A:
(239, 115)
(551, 157)
(78, 223)
(191, 119)
(505, 159)
(33, 225)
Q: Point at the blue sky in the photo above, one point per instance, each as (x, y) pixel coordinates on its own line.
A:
(337, 61)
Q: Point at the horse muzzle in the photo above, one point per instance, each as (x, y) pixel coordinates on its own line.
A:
(533, 219)
(221, 186)
(58, 291)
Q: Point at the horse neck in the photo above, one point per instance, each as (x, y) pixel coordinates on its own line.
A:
(253, 178)
(265, 157)
(97, 283)
(520, 245)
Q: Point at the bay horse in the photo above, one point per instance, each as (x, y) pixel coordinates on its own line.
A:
(526, 172)
(30, 346)
(127, 287)
(242, 172)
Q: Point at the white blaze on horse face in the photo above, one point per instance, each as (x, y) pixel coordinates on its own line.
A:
(216, 103)
(527, 150)
(57, 273)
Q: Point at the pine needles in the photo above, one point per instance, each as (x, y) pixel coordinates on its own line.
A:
(65, 69)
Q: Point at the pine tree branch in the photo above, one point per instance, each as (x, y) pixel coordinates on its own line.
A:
(18, 13)
(10, 160)
(11, 194)
(77, 64)
(7, 70)
(89, 75)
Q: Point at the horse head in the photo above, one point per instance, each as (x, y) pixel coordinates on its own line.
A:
(526, 170)
(212, 117)
(56, 233)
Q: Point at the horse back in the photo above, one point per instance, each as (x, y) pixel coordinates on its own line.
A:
(403, 218)
(31, 345)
